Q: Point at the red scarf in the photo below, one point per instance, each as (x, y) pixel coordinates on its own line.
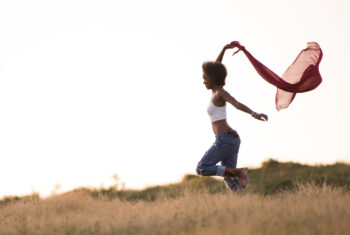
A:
(302, 76)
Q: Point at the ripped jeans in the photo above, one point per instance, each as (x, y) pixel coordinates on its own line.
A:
(225, 150)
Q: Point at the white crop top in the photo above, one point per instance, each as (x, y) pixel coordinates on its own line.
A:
(216, 113)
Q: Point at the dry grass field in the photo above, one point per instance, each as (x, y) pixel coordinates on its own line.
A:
(307, 210)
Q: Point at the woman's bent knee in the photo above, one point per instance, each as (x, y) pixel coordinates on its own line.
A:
(198, 169)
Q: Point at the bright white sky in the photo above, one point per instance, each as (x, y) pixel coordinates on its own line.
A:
(93, 88)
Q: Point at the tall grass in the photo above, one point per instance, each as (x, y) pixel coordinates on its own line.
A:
(309, 209)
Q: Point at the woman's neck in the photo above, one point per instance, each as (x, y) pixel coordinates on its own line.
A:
(216, 88)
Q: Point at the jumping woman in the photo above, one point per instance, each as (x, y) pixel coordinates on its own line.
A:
(227, 142)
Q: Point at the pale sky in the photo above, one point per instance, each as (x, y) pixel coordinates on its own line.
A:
(93, 88)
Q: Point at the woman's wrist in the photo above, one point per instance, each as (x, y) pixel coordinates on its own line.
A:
(253, 114)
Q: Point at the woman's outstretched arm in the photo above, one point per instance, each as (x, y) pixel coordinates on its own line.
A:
(227, 97)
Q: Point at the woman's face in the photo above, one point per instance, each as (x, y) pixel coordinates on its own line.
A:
(207, 81)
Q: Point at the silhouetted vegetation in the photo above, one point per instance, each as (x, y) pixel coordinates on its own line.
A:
(34, 197)
(272, 177)
(276, 176)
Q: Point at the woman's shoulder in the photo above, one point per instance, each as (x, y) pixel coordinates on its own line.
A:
(219, 99)
(222, 92)
(224, 95)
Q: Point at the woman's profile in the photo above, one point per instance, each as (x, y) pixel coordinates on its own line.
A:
(227, 141)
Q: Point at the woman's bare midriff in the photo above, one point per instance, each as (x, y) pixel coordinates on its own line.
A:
(221, 126)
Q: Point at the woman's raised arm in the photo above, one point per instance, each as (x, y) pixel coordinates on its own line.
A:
(221, 55)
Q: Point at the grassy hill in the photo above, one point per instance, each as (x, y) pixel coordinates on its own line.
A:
(275, 176)
(271, 178)
(282, 198)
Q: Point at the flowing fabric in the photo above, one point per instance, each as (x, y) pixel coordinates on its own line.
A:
(302, 76)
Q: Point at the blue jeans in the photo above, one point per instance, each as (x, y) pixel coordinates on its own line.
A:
(224, 150)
